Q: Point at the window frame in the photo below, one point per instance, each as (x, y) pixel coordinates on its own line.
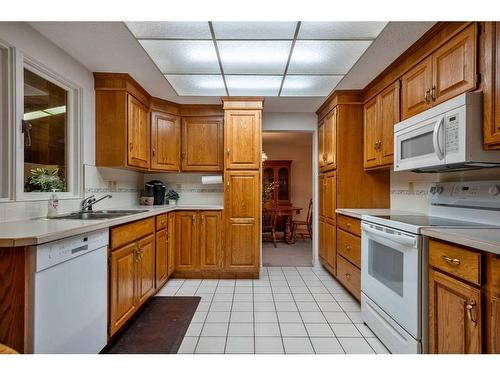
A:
(74, 149)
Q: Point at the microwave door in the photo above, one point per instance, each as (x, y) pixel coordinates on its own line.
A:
(420, 145)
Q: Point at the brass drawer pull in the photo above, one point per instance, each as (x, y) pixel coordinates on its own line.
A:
(449, 260)
(348, 276)
(348, 247)
(469, 308)
(426, 96)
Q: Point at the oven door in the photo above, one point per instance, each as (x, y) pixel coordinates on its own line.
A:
(390, 274)
(420, 145)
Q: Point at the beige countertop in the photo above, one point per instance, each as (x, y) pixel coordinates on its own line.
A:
(481, 239)
(40, 230)
(358, 212)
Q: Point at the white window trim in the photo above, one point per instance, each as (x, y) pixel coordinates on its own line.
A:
(9, 162)
(74, 149)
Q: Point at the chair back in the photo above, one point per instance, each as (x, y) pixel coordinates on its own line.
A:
(309, 218)
(269, 216)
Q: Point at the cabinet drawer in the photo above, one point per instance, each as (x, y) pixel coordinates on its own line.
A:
(349, 224)
(350, 276)
(492, 273)
(349, 246)
(455, 260)
(161, 221)
(130, 232)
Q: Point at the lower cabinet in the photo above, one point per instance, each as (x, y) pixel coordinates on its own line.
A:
(161, 273)
(327, 246)
(210, 240)
(171, 243)
(145, 268)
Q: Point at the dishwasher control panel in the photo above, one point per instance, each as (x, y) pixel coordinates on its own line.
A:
(52, 253)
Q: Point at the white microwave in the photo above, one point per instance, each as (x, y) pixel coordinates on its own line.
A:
(447, 137)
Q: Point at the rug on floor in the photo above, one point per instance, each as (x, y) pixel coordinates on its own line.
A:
(158, 329)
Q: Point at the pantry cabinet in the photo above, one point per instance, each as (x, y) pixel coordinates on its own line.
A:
(449, 71)
(202, 144)
(242, 140)
(328, 195)
(165, 141)
(328, 142)
(327, 247)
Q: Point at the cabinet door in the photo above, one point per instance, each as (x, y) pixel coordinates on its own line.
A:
(165, 141)
(171, 243)
(138, 133)
(454, 66)
(330, 195)
(161, 272)
(496, 90)
(454, 316)
(122, 286)
(491, 84)
(494, 327)
(210, 240)
(331, 244)
(202, 144)
(146, 269)
(322, 195)
(321, 146)
(330, 143)
(371, 134)
(242, 221)
(242, 139)
(388, 117)
(186, 257)
(322, 251)
(416, 89)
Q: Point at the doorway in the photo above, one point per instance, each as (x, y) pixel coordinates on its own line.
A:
(287, 193)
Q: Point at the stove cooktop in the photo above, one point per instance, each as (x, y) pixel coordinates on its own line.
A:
(431, 221)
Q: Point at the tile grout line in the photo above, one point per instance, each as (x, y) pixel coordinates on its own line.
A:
(230, 314)
(204, 321)
(276, 311)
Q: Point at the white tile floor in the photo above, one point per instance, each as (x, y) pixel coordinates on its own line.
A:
(289, 310)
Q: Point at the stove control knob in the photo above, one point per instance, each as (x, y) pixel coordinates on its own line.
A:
(494, 190)
(433, 190)
(439, 190)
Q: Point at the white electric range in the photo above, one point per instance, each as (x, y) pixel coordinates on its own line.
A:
(394, 259)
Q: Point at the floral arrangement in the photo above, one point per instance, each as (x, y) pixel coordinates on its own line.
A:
(42, 179)
(268, 190)
(172, 195)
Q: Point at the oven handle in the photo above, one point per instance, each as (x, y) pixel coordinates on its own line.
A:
(401, 239)
(435, 139)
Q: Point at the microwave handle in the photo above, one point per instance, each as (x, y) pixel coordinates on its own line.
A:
(435, 139)
(401, 239)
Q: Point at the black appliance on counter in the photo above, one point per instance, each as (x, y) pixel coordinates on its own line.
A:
(156, 189)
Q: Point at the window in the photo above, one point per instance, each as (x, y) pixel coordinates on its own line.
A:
(4, 122)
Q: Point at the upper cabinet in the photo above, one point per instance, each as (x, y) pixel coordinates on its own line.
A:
(380, 115)
(449, 71)
(165, 141)
(138, 133)
(242, 138)
(491, 84)
(202, 144)
(327, 142)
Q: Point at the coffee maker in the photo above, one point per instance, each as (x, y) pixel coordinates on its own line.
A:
(157, 190)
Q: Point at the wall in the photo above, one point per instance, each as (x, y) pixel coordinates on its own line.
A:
(298, 148)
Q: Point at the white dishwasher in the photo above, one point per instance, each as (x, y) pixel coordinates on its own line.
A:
(70, 295)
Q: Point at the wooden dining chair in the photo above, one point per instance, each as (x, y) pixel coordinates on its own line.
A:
(269, 216)
(306, 225)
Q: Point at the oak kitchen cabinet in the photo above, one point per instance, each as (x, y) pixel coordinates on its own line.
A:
(327, 142)
(199, 241)
(242, 139)
(327, 242)
(171, 243)
(491, 85)
(328, 191)
(202, 144)
(161, 256)
(165, 141)
(132, 270)
(449, 71)
(380, 115)
(138, 133)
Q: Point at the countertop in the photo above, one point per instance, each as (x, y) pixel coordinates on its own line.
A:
(481, 239)
(358, 212)
(40, 230)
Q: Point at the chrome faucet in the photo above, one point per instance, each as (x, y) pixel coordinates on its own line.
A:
(88, 202)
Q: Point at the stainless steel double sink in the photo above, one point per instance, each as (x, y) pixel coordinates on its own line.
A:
(97, 215)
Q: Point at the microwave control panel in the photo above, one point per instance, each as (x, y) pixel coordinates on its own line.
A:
(452, 133)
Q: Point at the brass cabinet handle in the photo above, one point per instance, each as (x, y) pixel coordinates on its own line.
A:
(469, 308)
(426, 96)
(348, 225)
(324, 157)
(433, 92)
(131, 146)
(194, 219)
(154, 151)
(227, 152)
(136, 252)
(348, 276)
(449, 260)
(202, 219)
(348, 247)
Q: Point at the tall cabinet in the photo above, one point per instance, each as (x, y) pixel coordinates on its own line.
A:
(242, 178)
(343, 182)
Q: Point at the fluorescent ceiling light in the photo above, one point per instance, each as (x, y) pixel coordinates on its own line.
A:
(254, 57)
(254, 30)
(253, 85)
(340, 30)
(308, 85)
(44, 113)
(325, 57)
(183, 56)
(197, 85)
(170, 30)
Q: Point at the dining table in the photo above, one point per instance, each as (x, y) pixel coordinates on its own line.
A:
(287, 212)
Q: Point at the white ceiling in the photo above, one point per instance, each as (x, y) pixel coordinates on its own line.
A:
(110, 47)
(255, 58)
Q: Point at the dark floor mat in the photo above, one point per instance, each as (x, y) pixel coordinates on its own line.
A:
(158, 329)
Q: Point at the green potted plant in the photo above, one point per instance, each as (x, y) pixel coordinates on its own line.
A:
(172, 197)
(44, 180)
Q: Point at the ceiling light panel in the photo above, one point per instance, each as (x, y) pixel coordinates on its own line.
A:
(183, 56)
(325, 57)
(254, 30)
(197, 85)
(253, 85)
(340, 30)
(309, 85)
(254, 57)
(170, 30)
